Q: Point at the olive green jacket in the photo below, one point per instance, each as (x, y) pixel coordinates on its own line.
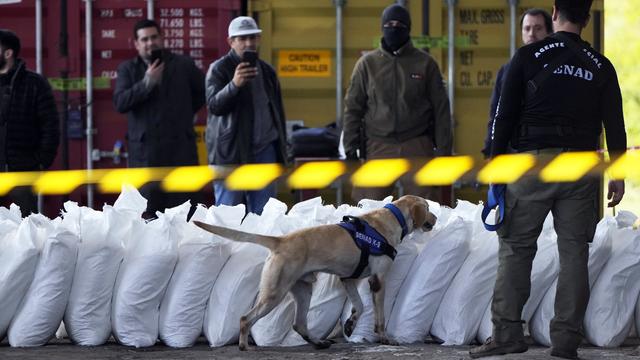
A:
(397, 97)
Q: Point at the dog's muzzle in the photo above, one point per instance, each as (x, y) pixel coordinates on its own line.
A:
(430, 223)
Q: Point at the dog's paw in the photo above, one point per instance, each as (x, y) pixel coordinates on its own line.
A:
(322, 344)
(348, 327)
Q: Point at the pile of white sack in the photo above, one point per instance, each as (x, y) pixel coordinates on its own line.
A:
(91, 275)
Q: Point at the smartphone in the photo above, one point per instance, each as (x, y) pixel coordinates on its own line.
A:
(251, 57)
(156, 54)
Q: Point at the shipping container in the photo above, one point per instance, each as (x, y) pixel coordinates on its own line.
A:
(197, 28)
(312, 44)
(299, 38)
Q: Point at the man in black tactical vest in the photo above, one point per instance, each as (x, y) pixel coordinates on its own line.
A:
(556, 97)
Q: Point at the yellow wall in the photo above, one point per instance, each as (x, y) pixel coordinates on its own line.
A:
(309, 25)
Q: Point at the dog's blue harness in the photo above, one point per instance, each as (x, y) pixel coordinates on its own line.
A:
(369, 240)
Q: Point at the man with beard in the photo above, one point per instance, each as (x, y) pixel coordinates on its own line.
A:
(397, 95)
(160, 92)
(29, 133)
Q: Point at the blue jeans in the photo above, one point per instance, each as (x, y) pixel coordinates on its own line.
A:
(254, 200)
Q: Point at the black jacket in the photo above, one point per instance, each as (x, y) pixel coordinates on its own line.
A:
(568, 110)
(160, 119)
(230, 122)
(31, 124)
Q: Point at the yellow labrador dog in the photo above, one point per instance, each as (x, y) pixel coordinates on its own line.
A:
(295, 258)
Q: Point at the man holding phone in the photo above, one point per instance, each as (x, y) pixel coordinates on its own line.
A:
(160, 92)
(246, 121)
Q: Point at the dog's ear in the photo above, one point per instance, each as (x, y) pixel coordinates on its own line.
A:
(418, 212)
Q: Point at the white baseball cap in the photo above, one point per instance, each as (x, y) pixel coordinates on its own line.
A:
(243, 25)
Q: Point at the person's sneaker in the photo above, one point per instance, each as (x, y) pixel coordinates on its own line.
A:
(565, 354)
(492, 348)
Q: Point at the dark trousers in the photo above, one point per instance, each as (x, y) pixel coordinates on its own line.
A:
(575, 215)
(420, 146)
(254, 200)
(159, 200)
(24, 197)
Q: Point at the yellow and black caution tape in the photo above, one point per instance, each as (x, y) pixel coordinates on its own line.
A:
(565, 167)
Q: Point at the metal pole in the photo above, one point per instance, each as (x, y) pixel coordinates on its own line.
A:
(39, 69)
(88, 30)
(150, 9)
(39, 36)
(63, 49)
(451, 54)
(513, 8)
(339, 5)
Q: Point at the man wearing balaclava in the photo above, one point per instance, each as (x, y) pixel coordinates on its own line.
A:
(396, 104)
(557, 96)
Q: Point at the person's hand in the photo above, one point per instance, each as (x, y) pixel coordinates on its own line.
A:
(154, 73)
(616, 191)
(244, 73)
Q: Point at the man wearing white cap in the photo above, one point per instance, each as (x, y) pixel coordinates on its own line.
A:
(246, 121)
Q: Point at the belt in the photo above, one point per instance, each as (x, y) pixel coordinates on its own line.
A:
(555, 130)
(555, 150)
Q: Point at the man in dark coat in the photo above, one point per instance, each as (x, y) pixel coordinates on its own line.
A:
(160, 97)
(29, 123)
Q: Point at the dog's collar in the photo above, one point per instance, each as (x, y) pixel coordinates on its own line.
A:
(398, 214)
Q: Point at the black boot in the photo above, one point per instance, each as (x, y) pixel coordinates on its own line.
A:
(565, 353)
(492, 348)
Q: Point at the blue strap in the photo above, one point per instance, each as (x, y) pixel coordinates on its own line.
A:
(398, 214)
(364, 237)
(495, 197)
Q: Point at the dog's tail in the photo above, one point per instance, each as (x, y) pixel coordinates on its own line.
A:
(270, 242)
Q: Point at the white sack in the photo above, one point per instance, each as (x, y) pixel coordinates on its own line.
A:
(61, 333)
(200, 259)
(432, 272)
(470, 292)
(311, 212)
(485, 330)
(42, 307)
(544, 271)
(233, 294)
(406, 254)
(236, 287)
(18, 260)
(88, 314)
(614, 295)
(599, 254)
(272, 329)
(364, 332)
(13, 213)
(143, 277)
(327, 301)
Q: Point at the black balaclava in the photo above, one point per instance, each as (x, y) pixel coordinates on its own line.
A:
(396, 37)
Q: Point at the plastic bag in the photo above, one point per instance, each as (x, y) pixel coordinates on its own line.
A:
(43, 306)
